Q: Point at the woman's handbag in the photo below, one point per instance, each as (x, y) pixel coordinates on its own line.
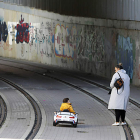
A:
(119, 83)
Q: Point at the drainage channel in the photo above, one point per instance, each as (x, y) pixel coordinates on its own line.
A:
(38, 116)
(3, 111)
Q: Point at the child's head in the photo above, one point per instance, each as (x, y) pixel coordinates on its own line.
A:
(65, 100)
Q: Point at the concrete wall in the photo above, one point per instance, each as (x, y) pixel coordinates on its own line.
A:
(85, 44)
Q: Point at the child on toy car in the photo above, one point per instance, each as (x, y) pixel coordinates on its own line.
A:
(66, 106)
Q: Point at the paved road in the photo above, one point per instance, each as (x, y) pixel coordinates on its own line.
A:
(133, 113)
(95, 120)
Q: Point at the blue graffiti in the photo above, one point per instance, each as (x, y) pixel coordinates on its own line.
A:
(57, 52)
(3, 31)
(53, 39)
(124, 54)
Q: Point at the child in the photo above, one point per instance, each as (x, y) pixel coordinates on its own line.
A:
(66, 106)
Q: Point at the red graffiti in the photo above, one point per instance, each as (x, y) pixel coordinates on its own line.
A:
(22, 32)
(58, 39)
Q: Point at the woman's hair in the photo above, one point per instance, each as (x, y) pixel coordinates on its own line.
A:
(119, 66)
(65, 100)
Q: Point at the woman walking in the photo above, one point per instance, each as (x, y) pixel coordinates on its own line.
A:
(119, 98)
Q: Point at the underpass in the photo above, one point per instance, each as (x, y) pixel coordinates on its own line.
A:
(52, 49)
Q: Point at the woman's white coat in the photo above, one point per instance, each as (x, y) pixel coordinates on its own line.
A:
(119, 100)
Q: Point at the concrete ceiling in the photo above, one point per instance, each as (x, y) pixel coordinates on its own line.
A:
(106, 9)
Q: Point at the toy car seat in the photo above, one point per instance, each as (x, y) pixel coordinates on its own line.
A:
(65, 110)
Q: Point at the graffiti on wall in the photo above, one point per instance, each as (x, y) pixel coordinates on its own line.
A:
(125, 53)
(43, 38)
(64, 41)
(91, 48)
(40, 38)
(80, 42)
(12, 32)
(18, 32)
(38, 35)
(94, 41)
(82, 46)
(3, 31)
(4, 43)
(31, 31)
(22, 32)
